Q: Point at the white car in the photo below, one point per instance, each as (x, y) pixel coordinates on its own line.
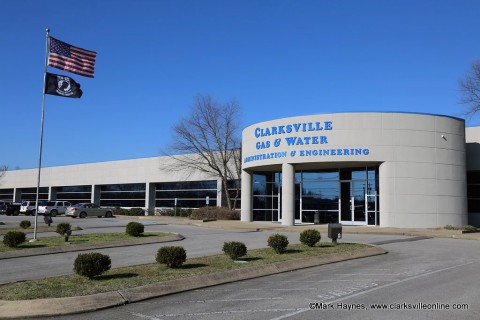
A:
(29, 207)
(54, 207)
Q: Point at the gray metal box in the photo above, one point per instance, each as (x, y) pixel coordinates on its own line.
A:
(335, 230)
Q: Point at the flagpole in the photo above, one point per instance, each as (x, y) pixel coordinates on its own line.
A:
(47, 31)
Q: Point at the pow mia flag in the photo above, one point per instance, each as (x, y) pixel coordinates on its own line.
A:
(63, 86)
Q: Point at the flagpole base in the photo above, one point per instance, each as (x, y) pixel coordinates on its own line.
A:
(33, 240)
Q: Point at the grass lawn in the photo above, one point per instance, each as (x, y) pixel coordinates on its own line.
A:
(80, 239)
(40, 228)
(128, 277)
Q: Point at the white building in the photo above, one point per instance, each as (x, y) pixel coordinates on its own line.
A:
(366, 168)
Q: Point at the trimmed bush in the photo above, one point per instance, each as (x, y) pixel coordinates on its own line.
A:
(171, 212)
(469, 228)
(450, 227)
(63, 227)
(134, 229)
(278, 242)
(13, 238)
(91, 264)
(218, 213)
(120, 211)
(24, 224)
(129, 212)
(137, 212)
(234, 249)
(173, 257)
(310, 237)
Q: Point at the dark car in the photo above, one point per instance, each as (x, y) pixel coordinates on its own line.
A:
(12, 208)
(3, 206)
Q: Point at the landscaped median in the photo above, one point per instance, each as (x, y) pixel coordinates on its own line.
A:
(72, 294)
(80, 242)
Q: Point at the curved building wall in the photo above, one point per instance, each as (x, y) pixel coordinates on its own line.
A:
(420, 158)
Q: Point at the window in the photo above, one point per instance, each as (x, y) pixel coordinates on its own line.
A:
(235, 192)
(31, 193)
(321, 191)
(123, 195)
(75, 194)
(473, 191)
(266, 187)
(186, 194)
(6, 194)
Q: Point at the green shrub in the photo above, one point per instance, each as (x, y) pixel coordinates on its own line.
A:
(134, 229)
(180, 212)
(219, 213)
(91, 264)
(129, 212)
(310, 237)
(278, 242)
(136, 212)
(173, 257)
(450, 227)
(24, 224)
(121, 211)
(63, 227)
(234, 249)
(469, 228)
(13, 238)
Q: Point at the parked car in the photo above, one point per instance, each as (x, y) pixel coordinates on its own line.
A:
(29, 207)
(54, 207)
(3, 206)
(83, 210)
(12, 209)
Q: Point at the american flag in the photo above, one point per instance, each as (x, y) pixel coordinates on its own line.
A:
(72, 59)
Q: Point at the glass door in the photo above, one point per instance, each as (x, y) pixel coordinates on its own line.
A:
(352, 203)
(345, 202)
(298, 201)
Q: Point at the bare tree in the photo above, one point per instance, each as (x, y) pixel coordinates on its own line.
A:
(470, 87)
(3, 169)
(208, 141)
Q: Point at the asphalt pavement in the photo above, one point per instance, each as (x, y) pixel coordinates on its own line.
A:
(68, 305)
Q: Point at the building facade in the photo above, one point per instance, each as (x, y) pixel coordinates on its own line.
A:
(387, 169)
(364, 168)
(148, 183)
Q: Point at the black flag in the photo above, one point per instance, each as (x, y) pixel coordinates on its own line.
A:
(62, 86)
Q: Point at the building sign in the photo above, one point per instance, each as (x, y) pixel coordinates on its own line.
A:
(303, 139)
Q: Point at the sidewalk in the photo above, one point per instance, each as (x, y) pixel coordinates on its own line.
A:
(60, 306)
(323, 228)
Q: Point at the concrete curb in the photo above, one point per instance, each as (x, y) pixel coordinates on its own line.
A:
(62, 306)
(84, 247)
(270, 226)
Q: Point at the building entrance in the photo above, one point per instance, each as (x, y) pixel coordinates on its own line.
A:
(346, 195)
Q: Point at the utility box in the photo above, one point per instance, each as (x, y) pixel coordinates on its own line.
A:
(335, 231)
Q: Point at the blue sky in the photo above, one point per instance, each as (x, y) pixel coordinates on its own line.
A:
(276, 58)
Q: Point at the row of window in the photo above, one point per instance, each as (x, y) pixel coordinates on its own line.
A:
(319, 190)
(189, 194)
